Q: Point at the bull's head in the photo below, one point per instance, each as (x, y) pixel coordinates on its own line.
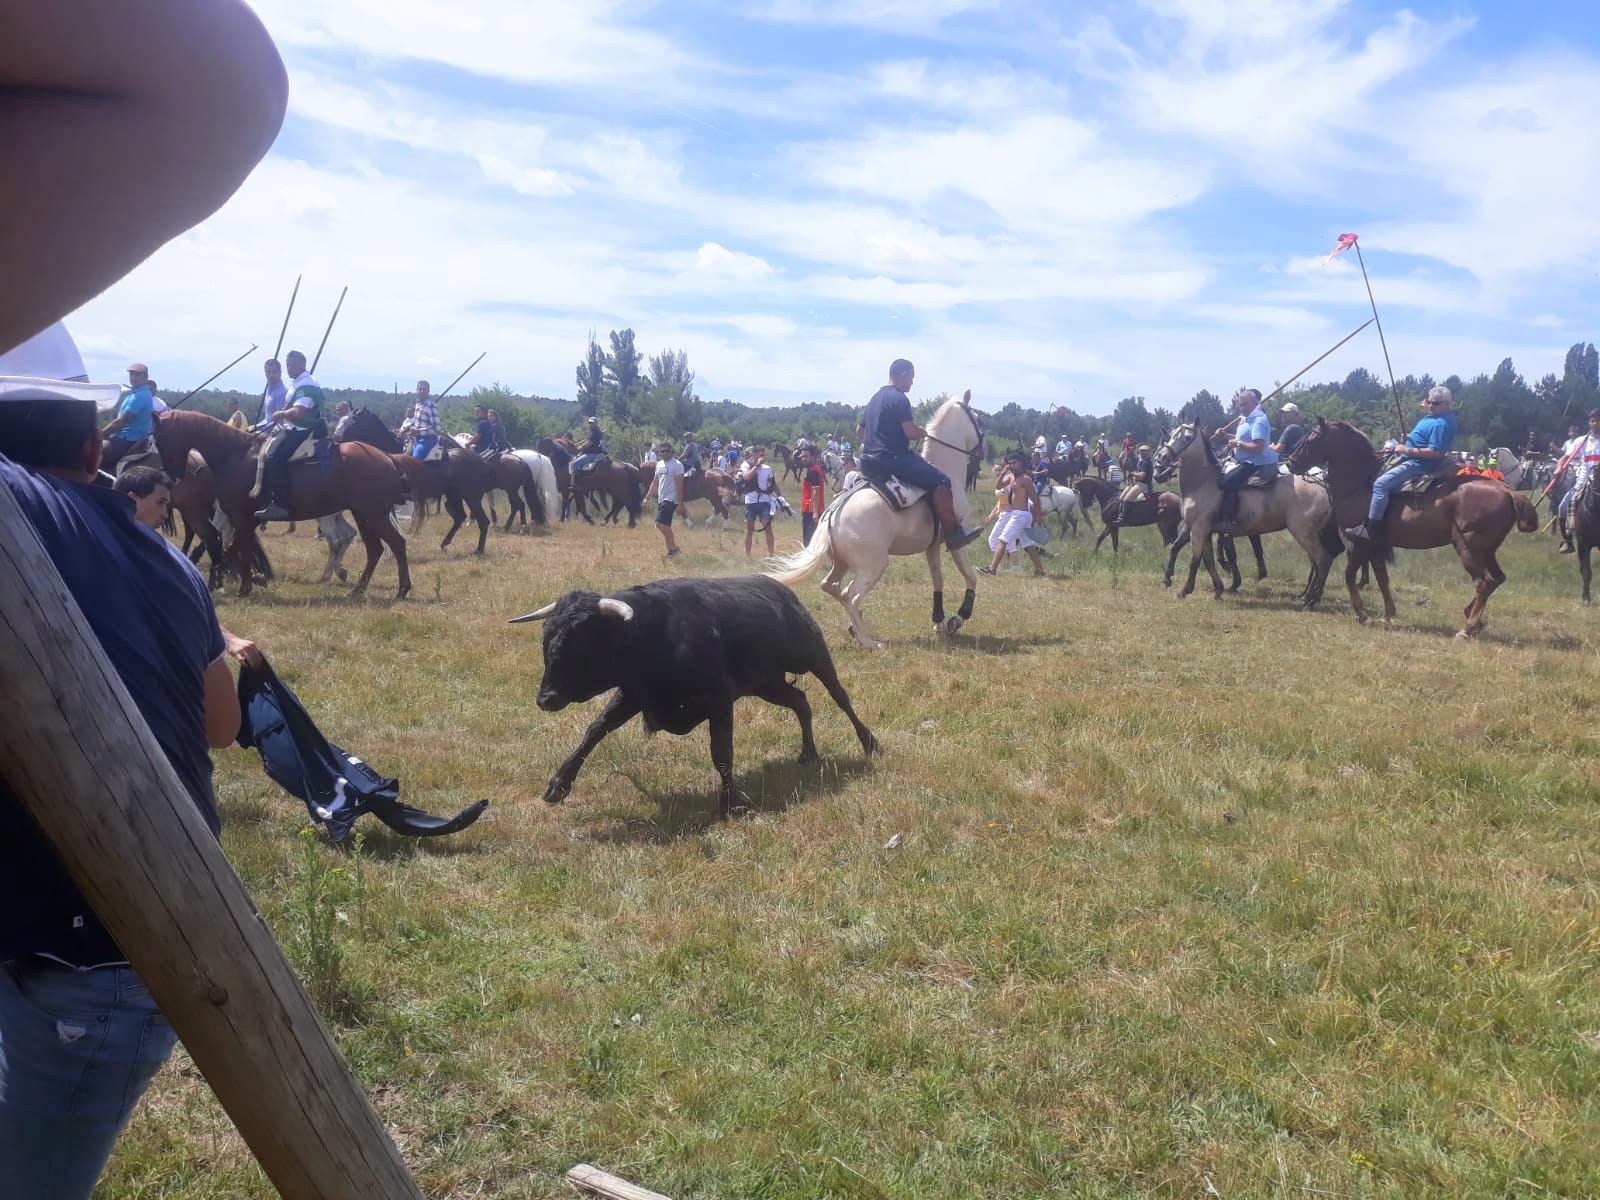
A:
(583, 656)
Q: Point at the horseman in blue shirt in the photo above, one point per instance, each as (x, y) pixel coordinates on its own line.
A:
(1426, 452)
(135, 420)
(886, 430)
(593, 450)
(1252, 453)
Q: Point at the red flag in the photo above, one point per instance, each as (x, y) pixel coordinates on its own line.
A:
(1346, 240)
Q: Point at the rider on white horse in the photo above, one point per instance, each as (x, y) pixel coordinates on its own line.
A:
(886, 430)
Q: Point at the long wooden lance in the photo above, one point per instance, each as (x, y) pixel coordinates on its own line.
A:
(1382, 341)
(285, 327)
(1277, 390)
(261, 409)
(329, 329)
(218, 375)
(459, 378)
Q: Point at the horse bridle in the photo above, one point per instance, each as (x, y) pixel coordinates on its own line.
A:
(976, 453)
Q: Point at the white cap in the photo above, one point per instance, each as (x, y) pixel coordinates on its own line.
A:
(1290, 407)
(104, 396)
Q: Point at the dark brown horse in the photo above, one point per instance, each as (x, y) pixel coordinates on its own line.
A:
(360, 478)
(617, 481)
(1585, 526)
(791, 470)
(1102, 461)
(461, 478)
(1165, 512)
(194, 498)
(1470, 512)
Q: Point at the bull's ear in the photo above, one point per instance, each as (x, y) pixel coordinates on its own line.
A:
(616, 608)
(537, 614)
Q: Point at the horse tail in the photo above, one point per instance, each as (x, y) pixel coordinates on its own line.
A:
(1527, 518)
(796, 568)
(635, 500)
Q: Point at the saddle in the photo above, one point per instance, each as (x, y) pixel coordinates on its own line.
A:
(438, 452)
(1134, 493)
(1424, 484)
(599, 462)
(900, 496)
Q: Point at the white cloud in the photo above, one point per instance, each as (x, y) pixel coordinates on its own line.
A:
(528, 181)
(896, 16)
(718, 260)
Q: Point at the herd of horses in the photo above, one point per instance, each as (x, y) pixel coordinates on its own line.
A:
(368, 473)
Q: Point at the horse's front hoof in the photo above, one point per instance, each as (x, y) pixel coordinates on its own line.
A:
(344, 576)
(952, 626)
(556, 791)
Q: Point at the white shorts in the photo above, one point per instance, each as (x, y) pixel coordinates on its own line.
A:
(1009, 528)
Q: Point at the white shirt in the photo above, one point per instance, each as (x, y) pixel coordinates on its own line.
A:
(668, 472)
(1586, 460)
(758, 484)
(157, 404)
(1391, 444)
(1062, 447)
(651, 457)
(850, 478)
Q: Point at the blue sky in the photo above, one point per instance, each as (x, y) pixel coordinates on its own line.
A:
(1048, 203)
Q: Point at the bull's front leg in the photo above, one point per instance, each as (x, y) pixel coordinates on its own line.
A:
(732, 801)
(619, 710)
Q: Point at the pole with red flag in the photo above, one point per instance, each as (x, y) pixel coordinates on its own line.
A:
(1353, 240)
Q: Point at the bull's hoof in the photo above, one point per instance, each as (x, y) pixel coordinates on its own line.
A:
(556, 791)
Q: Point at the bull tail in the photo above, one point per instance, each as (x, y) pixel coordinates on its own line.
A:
(1527, 518)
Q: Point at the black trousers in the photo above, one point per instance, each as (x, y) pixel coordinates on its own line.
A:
(277, 475)
(808, 526)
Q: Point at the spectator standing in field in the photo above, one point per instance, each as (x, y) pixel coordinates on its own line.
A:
(758, 485)
(1015, 511)
(813, 489)
(151, 493)
(667, 488)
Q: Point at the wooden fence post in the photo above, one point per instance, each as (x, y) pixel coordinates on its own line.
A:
(83, 763)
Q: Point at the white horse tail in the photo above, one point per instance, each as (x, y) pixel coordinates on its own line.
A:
(795, 568)
(544, 478)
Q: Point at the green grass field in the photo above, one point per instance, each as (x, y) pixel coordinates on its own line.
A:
(1191, 897)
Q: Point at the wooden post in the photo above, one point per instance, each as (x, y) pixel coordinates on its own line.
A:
(83, 763)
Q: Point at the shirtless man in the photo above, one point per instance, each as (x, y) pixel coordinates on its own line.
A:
(1015, 511)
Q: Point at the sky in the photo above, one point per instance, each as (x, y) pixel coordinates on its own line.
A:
(1048, 203)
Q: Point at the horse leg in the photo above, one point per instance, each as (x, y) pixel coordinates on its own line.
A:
(970, 597)
(390, 533)
(373, 541)
(1489, 578)
(458, 516)
(1104, 532)
(1584, 547)
(1380, 571)
(1261, 558)
(1229, 555)
(1353, 564)
(863, 582)
(511, 515)
(1178, 543)
(1210, 561)
(244, 546)
(936, 575)
(475, 503)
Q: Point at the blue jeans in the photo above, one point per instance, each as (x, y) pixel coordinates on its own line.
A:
(1409, 469)
(583, 461)
(910, 469)
(424, 446)
(77, 1050)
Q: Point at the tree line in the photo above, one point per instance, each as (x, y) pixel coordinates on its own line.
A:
(639, 398)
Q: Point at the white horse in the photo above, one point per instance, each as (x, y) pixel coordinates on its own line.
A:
(859, 531)
(1289, 503)
(1055, 498)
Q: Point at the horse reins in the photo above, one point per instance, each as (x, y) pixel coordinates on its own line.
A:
(976, 453)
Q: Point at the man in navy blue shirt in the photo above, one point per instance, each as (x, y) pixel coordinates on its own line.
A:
(886, 430)
(80, 1037)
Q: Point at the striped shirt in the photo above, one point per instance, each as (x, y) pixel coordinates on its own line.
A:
(425, 421)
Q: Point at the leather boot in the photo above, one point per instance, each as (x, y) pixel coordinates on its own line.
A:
(956, 535)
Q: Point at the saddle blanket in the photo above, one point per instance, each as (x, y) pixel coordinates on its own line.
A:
(310, 448)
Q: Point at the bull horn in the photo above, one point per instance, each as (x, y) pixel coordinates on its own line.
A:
(537, 614)
(616, 608)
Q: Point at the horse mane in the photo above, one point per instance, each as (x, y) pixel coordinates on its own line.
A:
(936, 422)
(196, 428)
(1355, 436)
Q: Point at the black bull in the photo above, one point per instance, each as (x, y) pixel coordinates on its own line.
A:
(681, 651)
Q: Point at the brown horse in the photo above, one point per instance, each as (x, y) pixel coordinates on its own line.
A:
(1470, 512)
(461, 478)
(1102, 461)
(360, 479)
(1585, 526)
(618, 481)
(194, 498)
(791, 469)
(1165, 513)
(712, 486)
